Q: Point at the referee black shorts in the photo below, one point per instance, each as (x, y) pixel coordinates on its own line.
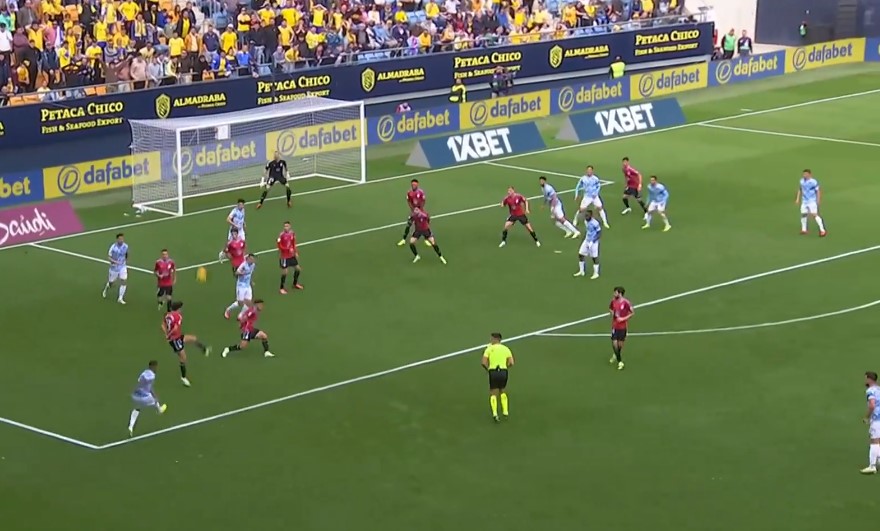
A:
(497, 379)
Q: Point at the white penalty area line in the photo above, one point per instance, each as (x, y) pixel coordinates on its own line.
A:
(105, 261)
(452, 168)
(457, 353)
(727, 328)
(792, 135)
(540, 172)
(304, 244)
(398, 225)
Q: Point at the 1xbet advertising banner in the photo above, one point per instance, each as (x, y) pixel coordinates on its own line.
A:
(27, 125)
(624, 120)
(744, 69)
(824, 54)
(473, 146)
(34, 223)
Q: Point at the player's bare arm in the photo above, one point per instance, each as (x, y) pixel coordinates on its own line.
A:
(871, 406)
(510, 361)
(797, 198)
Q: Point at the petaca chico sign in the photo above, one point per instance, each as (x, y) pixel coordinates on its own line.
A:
(40, 222)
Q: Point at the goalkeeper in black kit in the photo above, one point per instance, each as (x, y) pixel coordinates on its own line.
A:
(276, 172)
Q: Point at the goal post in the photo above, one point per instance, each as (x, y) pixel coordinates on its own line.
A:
(205, 155)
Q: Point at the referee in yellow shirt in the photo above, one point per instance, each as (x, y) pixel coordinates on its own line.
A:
(497, 360)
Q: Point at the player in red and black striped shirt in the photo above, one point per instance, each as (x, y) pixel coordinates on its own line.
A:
(422, 222)
(621, 312)
(415, 198)
(633, 187)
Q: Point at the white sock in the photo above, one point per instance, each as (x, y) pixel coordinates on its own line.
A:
(873, 454)
(122, 291)
(804, 223)
(106, 286)
(595, 269)
(648, 218)
(603, 216)
(821, 223)
(231, 307)
(133, 418)
(665, 219)
(582, 266)
(560, 225)
(568, 226)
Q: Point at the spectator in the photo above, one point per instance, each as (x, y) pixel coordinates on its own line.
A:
(728, 44)
(139, 72)
(744, 45)
(228, 40)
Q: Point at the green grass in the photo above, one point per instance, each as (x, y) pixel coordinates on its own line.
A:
(752, 429)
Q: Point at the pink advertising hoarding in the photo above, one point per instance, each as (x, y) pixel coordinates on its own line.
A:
(34, 223)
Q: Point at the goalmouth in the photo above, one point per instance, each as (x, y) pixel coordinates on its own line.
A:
(200, 156)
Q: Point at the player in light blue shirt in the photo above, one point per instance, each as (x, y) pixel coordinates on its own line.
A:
(590, 246)
(809, 196)
(872, 419)
(557, 213)
(144, 396)
(590, 185)
(118, 256)
(658, 196)
(244, 286)
(235, 220)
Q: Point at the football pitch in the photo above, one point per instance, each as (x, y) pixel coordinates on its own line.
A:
(739, 407)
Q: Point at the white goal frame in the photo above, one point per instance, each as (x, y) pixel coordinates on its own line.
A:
(302, 113)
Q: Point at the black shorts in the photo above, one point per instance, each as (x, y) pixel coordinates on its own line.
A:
(276, 180)
(632, 192)
(176, 345)
(618, 335)
(523, 220)
(497, 379)
(284, 263)
(422, 234)
(164, 291)
(250, 336)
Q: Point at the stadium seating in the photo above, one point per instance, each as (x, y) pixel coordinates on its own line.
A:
(61, 47)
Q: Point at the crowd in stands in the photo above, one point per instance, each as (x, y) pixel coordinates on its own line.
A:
(93, 46)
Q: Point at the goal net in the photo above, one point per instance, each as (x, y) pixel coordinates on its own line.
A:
(198, 156)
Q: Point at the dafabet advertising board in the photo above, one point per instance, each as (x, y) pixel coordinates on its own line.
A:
(824, 54)
(504, 110)
(313, 139)
(101, 175)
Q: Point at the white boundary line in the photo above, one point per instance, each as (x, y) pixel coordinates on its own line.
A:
(50, 434)
(311, 242)
(729, 328)
(792, 135)
(104, 261)
(509, 157)
(476, 348)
